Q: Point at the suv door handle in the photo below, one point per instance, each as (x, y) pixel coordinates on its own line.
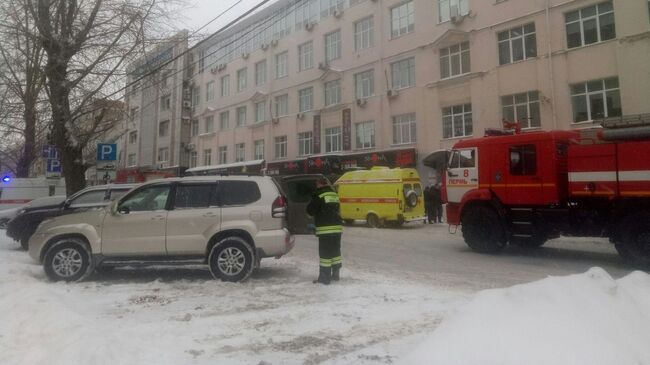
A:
(209, 215)
(158, 218)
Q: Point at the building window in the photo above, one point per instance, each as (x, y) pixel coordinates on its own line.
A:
(449, 8)
(133, 137)
(522, 108)
(194, 157)
(306, 12)
(225, 85)
(454, 60)
(404, 130)
(223, 155)
(596, 99)
(457, 121)
(305, 141)
(134, 113)
(131, 160)
(402, 19)
(333, 139)
(209, 124)
(241, 116)
(328, 7)
(332, 46)
(163, 128)
(165, 102)
(165, 78)
(305, 99)
(332, 92)
(209, 91)
(195, 127)
(207, 157)
(224, 120)
(196, 95)
(365, 84)
(305, 56)
(259, 149)
(281, 66)
(260, 73)
(260, 111)
(240, 152)
(281, 105)
(163, 154)
(589, 25)
(517, 44)
(365, 135)
(281, 147)
(241, 80)
(364, 34)
(403, 73)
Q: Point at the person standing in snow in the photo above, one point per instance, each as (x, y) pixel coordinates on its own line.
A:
(428, 203)
(436, 203)
(325, 208)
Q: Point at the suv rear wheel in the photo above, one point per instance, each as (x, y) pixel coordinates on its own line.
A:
(68, 259)
(231, 259)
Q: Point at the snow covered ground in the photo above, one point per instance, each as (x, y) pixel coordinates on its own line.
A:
(373, 316)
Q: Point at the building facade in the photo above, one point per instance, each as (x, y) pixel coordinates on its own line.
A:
(157, 123)
(366, 77)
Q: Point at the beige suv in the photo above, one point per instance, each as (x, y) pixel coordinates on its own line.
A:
(228, 223)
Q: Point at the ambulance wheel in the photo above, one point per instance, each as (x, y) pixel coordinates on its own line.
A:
(482, 229)
(635, 245)
(373, 221)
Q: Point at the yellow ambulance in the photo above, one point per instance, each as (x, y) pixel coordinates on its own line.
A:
(381, 196)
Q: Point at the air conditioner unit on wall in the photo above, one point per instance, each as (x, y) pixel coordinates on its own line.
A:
(187, 104)
(338, 13)
(222, 66)
(300, 116)
(392, 93)
(454, 15)
(323, 66)
(275, 120)
(214, 69)
(361, 102)
(245, 55)
(309, 26)
(274, 42)
(191, 147)
(264, 46)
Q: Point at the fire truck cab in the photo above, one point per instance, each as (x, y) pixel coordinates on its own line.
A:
(525, 188)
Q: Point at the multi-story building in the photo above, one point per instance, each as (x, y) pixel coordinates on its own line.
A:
(368, 80)
(157, 124)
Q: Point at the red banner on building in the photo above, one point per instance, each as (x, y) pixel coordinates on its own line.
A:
(347, 129)
(316, 134)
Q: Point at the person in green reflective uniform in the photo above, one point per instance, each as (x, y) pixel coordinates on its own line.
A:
(325, 208)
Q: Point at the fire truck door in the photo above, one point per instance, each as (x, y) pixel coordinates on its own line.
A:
(462, 174)
(524, 181)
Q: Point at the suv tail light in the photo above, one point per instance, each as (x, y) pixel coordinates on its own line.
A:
(279, 207)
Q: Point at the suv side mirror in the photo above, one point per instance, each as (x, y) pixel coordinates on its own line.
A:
(67, 203)
(123, 210)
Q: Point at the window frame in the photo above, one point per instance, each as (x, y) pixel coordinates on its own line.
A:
(364, 81)
(225, 85)
(406, 13)
(364, 37)
(604, 92)
(306, 100)
(305, 56)
(531, 98)
(449, 54)
(305, 143)
(332, 41)
(242, 79)
(525, 36)
(408, 120)
(280, 147)
(282, 64)
(398, 69)
(364, 136)
(332, 92)
(463, 114)
(581, 22)
(333, 139)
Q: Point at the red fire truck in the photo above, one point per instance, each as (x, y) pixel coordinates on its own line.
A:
(525, 188)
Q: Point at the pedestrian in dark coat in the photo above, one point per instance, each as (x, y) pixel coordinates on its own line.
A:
(436, 202)
(325, 208)
(428, 204)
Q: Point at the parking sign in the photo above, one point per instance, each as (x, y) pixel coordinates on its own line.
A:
(106, 152)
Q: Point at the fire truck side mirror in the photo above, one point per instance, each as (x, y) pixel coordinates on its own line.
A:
(451, 174)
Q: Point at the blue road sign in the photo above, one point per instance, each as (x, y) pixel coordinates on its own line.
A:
(53, 166)
(50, 152)
(106, 152)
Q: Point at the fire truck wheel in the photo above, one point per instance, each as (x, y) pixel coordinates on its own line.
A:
(635, 245)
(482, 229)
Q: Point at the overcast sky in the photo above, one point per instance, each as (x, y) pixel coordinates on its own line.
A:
(199, 12)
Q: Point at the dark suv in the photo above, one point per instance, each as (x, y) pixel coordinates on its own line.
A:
(25, 223)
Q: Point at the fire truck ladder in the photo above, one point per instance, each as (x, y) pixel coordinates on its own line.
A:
(626, 127)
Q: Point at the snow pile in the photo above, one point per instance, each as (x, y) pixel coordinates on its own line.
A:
(580, 319)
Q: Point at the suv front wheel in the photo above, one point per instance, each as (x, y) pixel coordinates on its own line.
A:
(231, 259)
(68, 259)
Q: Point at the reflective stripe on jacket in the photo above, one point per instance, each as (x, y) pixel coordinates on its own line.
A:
(325, 208)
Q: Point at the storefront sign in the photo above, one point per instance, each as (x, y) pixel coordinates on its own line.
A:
(347, 129)
(316, 134)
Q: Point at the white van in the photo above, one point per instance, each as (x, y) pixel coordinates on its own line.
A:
(15, 192)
